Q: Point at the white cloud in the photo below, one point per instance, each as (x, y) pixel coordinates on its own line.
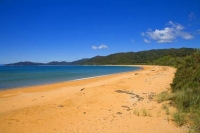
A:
(168, 34)
(146, 41)
(191, 16)
(161, 36)
(102, 46)
(186, 35)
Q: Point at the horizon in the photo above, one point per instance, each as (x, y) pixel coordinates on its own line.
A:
(45, 31)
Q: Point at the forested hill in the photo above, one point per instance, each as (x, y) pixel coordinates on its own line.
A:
(53, 63)
(142, 57)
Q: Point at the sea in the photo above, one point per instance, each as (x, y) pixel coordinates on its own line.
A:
(22, 76)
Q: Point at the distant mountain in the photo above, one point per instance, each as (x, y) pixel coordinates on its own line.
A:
(79, 62)
(58, 63)
(28, 63)
(25, 63)
(142, 57)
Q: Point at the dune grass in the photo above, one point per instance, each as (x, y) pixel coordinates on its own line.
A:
(136, 112)
(143, 112)
(164, 96)
(185, 89)
(179, 118)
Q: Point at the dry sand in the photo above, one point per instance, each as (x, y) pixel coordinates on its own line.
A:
(119, 103)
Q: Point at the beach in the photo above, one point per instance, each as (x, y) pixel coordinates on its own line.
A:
(117, 103)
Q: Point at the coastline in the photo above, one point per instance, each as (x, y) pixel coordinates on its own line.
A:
(99, 104)
(79, 79)
(72, 79)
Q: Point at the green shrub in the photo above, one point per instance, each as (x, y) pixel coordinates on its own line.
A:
(185, 87)
(144, 112)
(164, 96)
(179, 118)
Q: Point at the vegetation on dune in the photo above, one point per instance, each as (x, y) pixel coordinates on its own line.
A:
(185, 88)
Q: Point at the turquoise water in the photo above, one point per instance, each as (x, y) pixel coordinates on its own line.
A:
(20, 76)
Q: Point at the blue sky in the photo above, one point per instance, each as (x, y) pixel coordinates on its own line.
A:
(67, 30)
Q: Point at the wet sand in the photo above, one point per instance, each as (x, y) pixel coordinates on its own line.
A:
(118, 103)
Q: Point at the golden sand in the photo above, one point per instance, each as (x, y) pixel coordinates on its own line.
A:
(118, 103)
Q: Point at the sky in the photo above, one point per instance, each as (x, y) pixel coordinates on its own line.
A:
(68, 30)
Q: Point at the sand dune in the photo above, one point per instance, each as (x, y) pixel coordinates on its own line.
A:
(119, 103)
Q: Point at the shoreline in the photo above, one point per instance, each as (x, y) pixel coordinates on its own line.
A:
(62, 83)
(113, 103)
(71, 80)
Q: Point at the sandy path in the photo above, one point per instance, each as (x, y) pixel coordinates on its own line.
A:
(120, 103)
